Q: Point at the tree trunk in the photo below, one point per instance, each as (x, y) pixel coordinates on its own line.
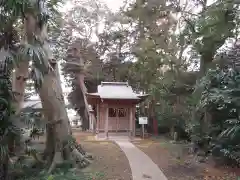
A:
(58, 128)
(75, 66)
(60, 145)
(85, 120)
(80, 78)
(205, 62)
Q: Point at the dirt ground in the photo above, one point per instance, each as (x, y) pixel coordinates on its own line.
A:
(110, 163)
(177, 164)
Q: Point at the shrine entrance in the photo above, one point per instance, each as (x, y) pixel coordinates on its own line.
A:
(115, 108)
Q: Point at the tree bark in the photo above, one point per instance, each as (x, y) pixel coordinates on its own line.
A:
(58, 128)
(75, 66)
(205, 62)
(80, 78)
(59, 145)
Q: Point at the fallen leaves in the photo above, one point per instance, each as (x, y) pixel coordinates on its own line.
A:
(179, 165)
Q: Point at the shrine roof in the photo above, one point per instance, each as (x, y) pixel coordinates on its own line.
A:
(115, 90)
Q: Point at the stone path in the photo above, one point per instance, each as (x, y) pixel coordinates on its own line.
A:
(143, 168)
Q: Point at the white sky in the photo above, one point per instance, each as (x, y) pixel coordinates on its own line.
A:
(114, 5)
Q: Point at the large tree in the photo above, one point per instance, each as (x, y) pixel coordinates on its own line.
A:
(81, 23)
(208, 30)
(101, 49)
(30, 19)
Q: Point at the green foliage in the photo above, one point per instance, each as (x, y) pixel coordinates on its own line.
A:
(12, 12)
(32, 118)
(69, 175)
(7, 130)
(172, 117)
(17, 8)
(214, 25)
(24, 171)
(207, 31)
(220, 98)
(60, 173)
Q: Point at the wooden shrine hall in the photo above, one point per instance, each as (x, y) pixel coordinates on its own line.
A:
(115, 104)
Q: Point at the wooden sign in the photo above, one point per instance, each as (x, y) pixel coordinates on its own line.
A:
(143, 120)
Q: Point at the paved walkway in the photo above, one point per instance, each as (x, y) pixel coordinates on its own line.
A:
(143, 168)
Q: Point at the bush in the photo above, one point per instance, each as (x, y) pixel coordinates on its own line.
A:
(220, 98)
(65, 172)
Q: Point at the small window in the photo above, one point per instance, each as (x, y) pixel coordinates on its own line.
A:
(112, 112)
(122, 112)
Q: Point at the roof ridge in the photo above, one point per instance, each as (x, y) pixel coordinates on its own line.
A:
(115, 83)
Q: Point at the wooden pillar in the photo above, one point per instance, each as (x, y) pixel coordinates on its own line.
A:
(117, 124)
(89, 122)
(106, 120)
(131, 121)
(117, 120)
(98, 118)
(134, 120)
(94, 124)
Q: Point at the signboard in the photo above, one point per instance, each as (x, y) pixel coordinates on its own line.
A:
(143, 120)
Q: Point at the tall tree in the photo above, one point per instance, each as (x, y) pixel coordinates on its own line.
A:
(99, 48)
(81, 24)
(209, 29)
(44, 71)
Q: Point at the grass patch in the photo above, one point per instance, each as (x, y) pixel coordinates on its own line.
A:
(65, 172)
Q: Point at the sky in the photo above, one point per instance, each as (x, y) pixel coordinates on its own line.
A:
(114, 5)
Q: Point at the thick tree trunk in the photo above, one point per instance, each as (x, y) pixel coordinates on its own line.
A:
(60, 145)
(54, 107)
(75, 66)
(80, 78)
(205, 62)
(85, 120)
